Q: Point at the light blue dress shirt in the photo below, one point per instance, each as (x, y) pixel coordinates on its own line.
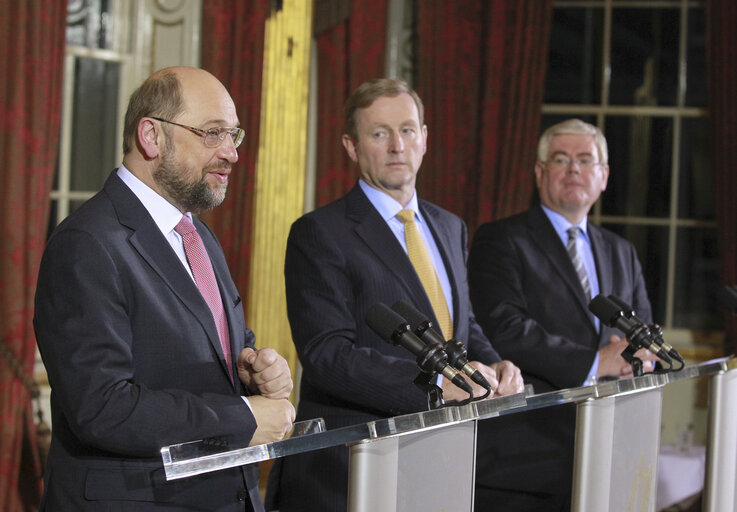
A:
(583, 246)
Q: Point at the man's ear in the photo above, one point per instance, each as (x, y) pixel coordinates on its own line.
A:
(538, 173)
(605, 172)
(148, 138)
(350, 147)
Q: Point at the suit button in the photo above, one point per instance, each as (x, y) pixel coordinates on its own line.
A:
(242, 495)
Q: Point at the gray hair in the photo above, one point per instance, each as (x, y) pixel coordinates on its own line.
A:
(573, 127)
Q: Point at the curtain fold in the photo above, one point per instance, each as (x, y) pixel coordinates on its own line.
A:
(481, 74)
(721, 55)
(233, 50)
(33, 33)
(348, 53)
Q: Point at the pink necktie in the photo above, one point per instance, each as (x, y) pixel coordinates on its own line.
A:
(204, 277)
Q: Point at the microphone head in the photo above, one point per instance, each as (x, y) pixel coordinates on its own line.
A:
(605, 310)
(386, 323)
(411, 315)
(626, 308)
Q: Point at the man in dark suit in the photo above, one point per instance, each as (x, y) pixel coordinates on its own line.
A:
(532, 300)
(347, 256)
(137, 349)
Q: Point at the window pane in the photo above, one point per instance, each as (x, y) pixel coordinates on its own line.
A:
(651, 243)
(640, 161)
(697, 280)
(95, 118)
(574, 62)
(88, 23)
(696, 191)
(549, 120)
(74, 205)
(696, 59)
(644, 56)
(53, 218)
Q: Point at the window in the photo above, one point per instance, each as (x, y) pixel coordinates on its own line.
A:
(636, 69)
(112, 45)
(94, 69)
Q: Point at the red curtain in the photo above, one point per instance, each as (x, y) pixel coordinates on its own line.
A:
(721, 54)
(348, 53)
(481, 74)
(32, 50)
(232, 50)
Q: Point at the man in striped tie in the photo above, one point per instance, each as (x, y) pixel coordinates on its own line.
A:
(531, 279)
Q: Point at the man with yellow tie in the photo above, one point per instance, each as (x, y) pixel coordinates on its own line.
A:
(379, 243)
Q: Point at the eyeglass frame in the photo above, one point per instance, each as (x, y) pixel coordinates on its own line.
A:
(581, 162)
(219, 132)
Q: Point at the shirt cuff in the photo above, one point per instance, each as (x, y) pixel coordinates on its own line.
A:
(591, 377)
(245, 399)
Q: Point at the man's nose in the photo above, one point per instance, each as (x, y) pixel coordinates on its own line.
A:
(227, 150)
(396, 143)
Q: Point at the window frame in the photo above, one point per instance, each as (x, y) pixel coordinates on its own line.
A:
(677, 113)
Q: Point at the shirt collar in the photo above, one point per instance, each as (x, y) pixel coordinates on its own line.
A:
(561, 224)
(165, 215)
(387, 206)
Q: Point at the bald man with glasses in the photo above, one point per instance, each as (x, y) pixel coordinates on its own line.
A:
(140, 325)
(531, 278)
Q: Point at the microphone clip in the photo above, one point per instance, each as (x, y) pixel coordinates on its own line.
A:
(628, 354)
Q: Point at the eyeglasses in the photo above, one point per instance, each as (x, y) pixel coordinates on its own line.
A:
(565, 162)
(214, 136)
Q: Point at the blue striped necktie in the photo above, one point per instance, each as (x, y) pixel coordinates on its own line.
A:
(578, 261)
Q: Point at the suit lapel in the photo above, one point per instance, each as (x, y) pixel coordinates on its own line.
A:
(228, 293)
(551, 247)
(603, 258)
(445, 245)
(380, 240)
(147, 240)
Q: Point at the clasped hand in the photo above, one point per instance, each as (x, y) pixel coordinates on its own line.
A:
(267, 374)
(503, 377)
(612, 364)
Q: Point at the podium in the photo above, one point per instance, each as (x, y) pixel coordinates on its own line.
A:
(616, 447)
(721, 454)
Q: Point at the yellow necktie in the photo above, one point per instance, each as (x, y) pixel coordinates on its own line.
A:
(420, 258)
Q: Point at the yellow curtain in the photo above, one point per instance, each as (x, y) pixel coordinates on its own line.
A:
(280, 170)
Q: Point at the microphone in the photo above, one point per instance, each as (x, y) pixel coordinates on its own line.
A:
(637, 333)
(655, 329)
(431, 358)
(457, 353)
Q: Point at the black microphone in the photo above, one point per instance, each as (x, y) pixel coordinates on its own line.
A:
(655, 329)
(431, 358)
(457, 353)
(637, 333)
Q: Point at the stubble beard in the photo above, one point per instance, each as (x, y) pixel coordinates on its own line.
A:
(190, 196)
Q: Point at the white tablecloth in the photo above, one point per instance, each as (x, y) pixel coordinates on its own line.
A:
(680, 474)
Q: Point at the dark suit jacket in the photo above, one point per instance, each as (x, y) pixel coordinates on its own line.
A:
(342, 259)
(134, 362)
(527, 297)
